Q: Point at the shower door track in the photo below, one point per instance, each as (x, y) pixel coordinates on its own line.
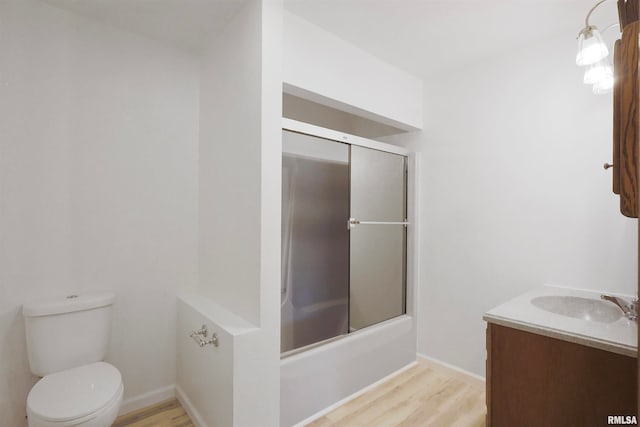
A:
(334, 135)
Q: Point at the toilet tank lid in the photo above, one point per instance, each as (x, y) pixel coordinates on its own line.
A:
(67, 304)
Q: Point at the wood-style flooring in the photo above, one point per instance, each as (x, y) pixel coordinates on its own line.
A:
(165, 414)
(421, 396)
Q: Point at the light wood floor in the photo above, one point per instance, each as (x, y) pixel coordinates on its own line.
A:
(165, 414)
(419, 397)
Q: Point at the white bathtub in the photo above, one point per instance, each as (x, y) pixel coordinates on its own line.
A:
(315, 379)
(302, 326)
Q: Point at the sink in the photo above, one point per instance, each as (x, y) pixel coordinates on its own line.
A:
(579, 308)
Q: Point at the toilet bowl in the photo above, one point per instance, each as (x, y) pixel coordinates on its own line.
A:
(67, 341)
(86, 396)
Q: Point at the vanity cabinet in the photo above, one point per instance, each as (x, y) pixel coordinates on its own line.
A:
(626, 129)
(534, 380)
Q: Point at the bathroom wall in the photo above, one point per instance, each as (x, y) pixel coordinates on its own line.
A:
(98, 186)
(230, 172)
(513, 193)
(321, 67)
(209, 379)
(239, 204)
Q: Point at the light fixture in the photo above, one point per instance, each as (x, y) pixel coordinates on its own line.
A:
(604, 86)
(591, 47)
(598, 72)
(592, 53)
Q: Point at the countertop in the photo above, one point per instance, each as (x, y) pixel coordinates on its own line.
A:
(619, 337)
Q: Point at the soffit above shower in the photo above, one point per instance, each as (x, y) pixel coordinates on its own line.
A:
(185, 24)
(323, 68)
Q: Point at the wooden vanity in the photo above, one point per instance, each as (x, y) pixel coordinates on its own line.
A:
(550, 369)
(626, 120)
(626, 117)
(534, 380)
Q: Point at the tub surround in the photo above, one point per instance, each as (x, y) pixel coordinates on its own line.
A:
(519, 313)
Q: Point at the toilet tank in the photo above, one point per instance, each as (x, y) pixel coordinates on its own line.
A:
(67, 332)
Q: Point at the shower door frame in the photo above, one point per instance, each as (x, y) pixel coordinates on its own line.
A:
(412, 200)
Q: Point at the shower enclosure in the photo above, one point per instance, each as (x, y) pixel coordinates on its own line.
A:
(344, 238)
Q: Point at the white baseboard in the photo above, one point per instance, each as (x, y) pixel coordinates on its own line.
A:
(352, 396)
(454, 371)
(189, 408)
(174, 391)
(147, 399)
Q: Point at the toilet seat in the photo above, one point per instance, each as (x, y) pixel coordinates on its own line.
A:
(77, 394)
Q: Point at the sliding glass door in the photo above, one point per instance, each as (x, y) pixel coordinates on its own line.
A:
(343, 238)
(378, 237)
(315, 240)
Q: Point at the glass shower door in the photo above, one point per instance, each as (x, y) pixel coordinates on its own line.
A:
(315, 240)
(378, 237)
(343, 238)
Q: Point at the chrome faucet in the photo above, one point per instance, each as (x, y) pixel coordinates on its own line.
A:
(630, 309)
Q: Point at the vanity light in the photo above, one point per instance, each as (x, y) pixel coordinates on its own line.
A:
(598, 72)
(592, 53)
(591, 47)
(604, 86)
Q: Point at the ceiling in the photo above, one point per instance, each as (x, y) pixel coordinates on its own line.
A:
(420, 36)
(186, 24)
(428, 36)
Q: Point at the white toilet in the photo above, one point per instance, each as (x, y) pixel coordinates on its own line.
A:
(67, 339)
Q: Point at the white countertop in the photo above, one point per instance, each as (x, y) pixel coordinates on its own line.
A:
(619, 337)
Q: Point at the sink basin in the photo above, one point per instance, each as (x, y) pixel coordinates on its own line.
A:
(579, 308)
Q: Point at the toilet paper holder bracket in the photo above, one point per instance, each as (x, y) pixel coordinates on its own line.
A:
(201, 337)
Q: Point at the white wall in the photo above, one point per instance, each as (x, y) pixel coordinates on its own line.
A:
(230, 167)
(239, 202)
(321, 67)
(98, 186)
(207, 376)
(514, 193)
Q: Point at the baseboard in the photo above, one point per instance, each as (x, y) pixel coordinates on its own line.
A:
(189, 408)
(174, 391)
(147, 399)
(454, 371)
(352, 396)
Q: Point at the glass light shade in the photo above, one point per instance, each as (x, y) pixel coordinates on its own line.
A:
(598, 72)
(591, 47)
(604, 86)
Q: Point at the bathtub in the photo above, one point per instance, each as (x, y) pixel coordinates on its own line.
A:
(314, 380)
(315, 323)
